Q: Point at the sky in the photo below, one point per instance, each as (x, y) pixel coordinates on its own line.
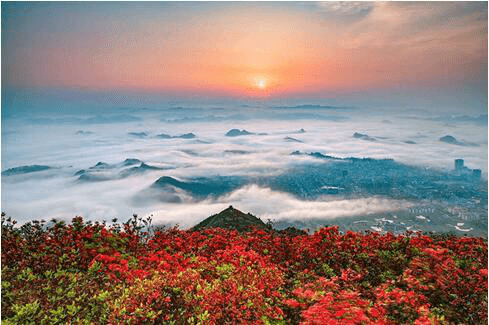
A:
(431, 54)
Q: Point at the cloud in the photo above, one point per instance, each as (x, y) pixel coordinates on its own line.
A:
(346, 11)
(413, 24)
(267, 204)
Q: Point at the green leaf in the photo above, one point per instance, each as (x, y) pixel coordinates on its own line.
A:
(72, 309)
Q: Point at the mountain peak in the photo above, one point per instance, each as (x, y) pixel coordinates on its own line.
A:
(231, 218)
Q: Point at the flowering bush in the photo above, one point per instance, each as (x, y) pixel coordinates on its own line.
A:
(84, 273)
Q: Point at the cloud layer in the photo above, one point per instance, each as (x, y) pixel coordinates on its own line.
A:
(68, 148)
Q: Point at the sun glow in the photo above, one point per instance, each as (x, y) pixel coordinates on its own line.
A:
(260, 82)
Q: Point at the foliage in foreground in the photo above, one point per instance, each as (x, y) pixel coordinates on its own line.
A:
(84, 273)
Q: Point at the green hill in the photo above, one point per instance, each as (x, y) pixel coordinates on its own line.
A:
(231, 218)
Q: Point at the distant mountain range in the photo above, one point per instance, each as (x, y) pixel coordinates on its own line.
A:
(24, 170)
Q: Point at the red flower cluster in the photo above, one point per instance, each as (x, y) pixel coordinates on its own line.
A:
(85, 272)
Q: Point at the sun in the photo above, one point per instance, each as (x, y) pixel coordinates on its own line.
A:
(260, 82)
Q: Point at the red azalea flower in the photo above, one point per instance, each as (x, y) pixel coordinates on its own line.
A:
(292, 303)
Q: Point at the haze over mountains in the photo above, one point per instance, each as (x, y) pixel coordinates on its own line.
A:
(298, 165)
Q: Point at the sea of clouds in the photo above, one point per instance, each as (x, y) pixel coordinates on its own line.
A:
(159, 137)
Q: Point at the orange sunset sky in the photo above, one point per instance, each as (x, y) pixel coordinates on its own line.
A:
(432, 50)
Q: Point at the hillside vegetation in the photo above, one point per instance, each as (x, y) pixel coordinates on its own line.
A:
(130, 273)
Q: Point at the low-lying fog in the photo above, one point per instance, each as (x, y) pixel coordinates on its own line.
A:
(209, 169)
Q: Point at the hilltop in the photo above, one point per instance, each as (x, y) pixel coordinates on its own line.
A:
(231, 218)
